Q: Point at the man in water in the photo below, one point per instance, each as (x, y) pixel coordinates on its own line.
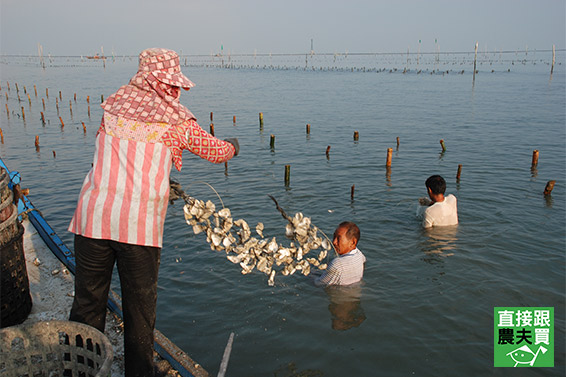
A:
(440, 210)
(348, 267)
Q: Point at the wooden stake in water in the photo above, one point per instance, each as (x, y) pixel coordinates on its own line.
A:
(261, 120)
(36, 141)
(42, 118)
(25, 90)
(88, 111)
(43, 101)
(553, 58)
(443, 145)
(35, 90)
(1, 136)
(84, 127)
(287, 174)
(17, 89)
(29, 99)
(71, 107)
(549, 187)
(54, 154)
(534, 161)
(75, 97)
(234, 120)
(475, 59)
(62, 124)
(23, 113)
(47, 92)
(459, 172)
(272, 142)
(88, 99)
(211, 116)
(328, 152)
(212, 129)
(352, 189)
(389, 155)
(101, 98)
(308, 129)
(356, 135)
(7, 111)
(397, 142)
(60, 96)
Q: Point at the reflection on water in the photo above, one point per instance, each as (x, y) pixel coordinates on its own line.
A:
(345, 306)
(438, 242)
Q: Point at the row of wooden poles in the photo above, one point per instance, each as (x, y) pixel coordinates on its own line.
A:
(548, 189)
(60, 97)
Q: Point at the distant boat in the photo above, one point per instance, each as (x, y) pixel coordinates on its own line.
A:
(96, 56)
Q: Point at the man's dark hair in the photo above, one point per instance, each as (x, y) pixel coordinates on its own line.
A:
(352, 230)
(436, 184)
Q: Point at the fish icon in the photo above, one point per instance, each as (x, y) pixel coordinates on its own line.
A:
(521, 355)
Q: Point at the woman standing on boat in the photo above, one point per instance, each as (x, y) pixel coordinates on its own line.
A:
(123, 201)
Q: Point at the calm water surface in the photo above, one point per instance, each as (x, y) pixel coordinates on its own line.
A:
(426, 304)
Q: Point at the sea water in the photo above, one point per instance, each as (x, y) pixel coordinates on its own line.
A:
(425, 307)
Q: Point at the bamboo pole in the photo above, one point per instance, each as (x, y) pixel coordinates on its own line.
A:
(459, 172)
(287, 174)
(475, 59)
(549, 187)
(534, 161)
(389, 155)
(553, 58)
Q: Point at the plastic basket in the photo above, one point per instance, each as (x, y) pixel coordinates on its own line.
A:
(54, 348)
(15, 297)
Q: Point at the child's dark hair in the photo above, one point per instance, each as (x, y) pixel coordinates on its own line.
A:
(436, 184)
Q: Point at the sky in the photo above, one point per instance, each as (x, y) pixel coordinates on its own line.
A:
(126, 27)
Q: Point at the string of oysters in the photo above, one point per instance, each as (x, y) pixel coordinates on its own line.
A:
(305, 251)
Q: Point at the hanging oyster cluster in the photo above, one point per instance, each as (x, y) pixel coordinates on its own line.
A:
(223, 233)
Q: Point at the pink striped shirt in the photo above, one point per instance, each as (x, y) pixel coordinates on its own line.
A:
(125, 195)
